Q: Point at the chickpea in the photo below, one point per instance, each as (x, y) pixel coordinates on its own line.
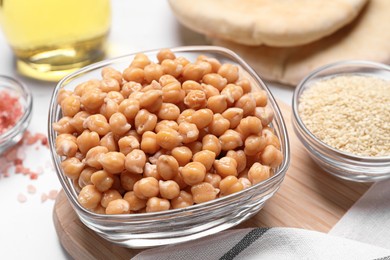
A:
(93, 99)
(205, 157)
(151, 100)
(153, 159)
(113, 162)
(78, 121)
(168, 111)
(209, 90)
(109, 142)
(134, 202)
(146, 188)
(166, 124)
(202, 118)
(232, 93)
(168, 138)
(70, 105)
(169, 189)
(182, 155)
(86, 86)
(140, 61)
(185, 115)
(218, 125)
(111, 73)
(149, 142)
(230, 140)
(195, 99)
(172, 67)
(245, 182)
(217, 103)
(189, 85)
(130, 87)
(92, 157)
(193, 72)
(213, 178)
(167, 167)
(128, 179)
(258, 173)
(205, 66)
(115, 96)
(85, 176)
(215, 64)
(150, 170)
(271, 156)
(226, 166)
(229, 72)
(265, 114)
(155, 204)
(97, 123)
(182, 60)
(129, 108)
(245, 85)
(270, 137)
(87, 140)
(250, 125)
(183, 200)
(179, 180)
(63, 126)
(72, 167)
(145, 121)
(118, 124)
(135, 161)
(234, 115)
(254, 144)
(63, 93)
(152, 72)
(127, 144)
(109, 84)
(195, 147)
(165, 54)
(134, 74)
(89, 197)
(211, 142)
(240, 158)
(230, 185)
(215, 80)
(66, 147)
(109, 108)
(193, 173)
(203, 192)
(102, 180)
(188, 132)
(172, 93)
(109, 196)
(118, 206)
(248, 104)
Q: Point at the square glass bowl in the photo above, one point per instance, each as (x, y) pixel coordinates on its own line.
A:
(16, 89)
(175, 225)
(334, 161)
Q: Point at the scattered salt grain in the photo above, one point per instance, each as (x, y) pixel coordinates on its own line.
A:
(22, 198)
(31, 189)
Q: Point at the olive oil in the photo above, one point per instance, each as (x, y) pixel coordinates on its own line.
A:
(51, 38)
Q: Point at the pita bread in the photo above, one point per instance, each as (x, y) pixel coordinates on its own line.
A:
(278, 23)
(367, 38)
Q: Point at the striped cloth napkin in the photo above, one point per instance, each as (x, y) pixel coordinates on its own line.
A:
(268, 243)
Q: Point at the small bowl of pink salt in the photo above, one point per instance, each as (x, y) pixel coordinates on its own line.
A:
(341, 114)
(15, 111)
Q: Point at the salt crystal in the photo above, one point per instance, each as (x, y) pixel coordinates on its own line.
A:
(22, 198)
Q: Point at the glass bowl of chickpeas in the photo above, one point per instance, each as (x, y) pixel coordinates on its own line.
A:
(166, 146)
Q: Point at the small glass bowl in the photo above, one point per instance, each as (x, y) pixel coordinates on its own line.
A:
(178, 225)
(16, 89)
(334, 161)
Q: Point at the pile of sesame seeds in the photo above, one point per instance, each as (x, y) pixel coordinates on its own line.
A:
(350, 113)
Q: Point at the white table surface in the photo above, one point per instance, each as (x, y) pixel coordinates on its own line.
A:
(26, 229)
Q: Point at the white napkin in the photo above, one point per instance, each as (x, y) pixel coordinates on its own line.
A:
(263, 243)
(368, 220)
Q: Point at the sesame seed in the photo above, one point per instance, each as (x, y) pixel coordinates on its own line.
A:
(350, 113)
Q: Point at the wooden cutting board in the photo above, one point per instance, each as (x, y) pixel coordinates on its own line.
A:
(308, 198)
